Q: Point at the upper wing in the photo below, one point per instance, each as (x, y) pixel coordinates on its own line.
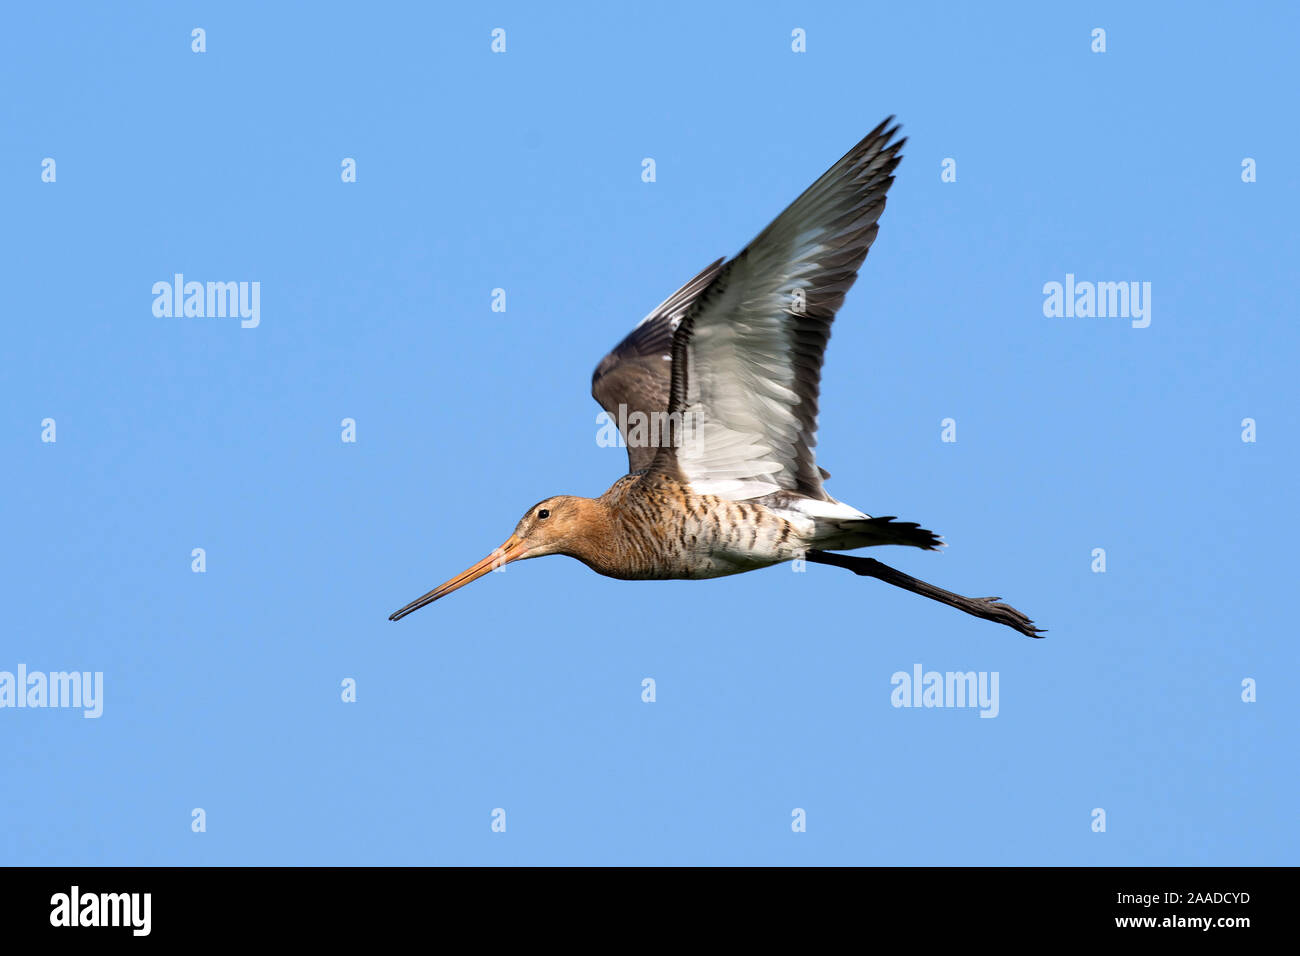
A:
(631, 382)
(747, 355)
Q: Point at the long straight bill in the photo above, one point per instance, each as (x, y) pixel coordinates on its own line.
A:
(512, 550)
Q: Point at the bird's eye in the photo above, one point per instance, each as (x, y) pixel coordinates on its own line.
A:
(543, 514)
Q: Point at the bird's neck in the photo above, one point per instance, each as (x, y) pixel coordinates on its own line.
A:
(594, 541)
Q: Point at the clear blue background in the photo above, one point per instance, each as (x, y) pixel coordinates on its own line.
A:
(522, 171)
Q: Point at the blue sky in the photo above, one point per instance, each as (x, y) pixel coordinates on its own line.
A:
(522, 171)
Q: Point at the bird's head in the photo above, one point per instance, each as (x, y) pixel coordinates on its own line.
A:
(554, 526)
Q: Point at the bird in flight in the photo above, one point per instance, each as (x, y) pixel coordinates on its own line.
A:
(715, 394)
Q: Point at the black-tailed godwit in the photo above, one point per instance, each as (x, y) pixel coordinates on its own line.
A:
(715, 393)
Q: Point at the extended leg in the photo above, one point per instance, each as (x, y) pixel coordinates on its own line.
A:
(987, 608)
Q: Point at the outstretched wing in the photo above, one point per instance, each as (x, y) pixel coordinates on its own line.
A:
(631, 382)
(747, 353)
